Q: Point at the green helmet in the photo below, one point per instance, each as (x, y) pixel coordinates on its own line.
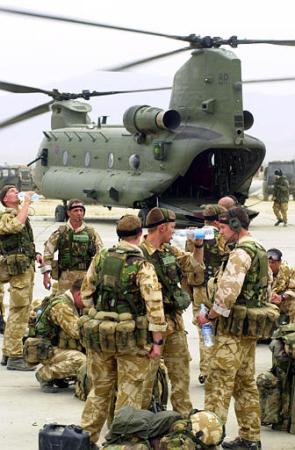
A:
(208, 426)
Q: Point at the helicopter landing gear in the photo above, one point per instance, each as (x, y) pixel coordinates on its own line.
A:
(60, 214)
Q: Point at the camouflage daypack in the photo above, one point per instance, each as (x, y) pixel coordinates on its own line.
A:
(277, 386)
(135, 429)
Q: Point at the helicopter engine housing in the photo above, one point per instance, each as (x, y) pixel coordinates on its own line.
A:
(148, 119)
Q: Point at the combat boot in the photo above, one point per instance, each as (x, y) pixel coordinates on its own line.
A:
(242, 444)
(18, 363)
(46, 386)
(278, 222)
(4, 360)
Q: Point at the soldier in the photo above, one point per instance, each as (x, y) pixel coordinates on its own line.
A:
(240, 308)
(125, 291)
(18, 256)
(171, 265)
(280, 198)
(283, 285)
(214, 250)
(58, 324)
(76, 244)
(227, 202)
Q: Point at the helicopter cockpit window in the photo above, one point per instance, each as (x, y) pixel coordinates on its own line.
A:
(65, 158)
(110, 160)
(134, 161)
(87, 159)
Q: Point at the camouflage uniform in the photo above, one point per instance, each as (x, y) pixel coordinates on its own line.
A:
(2, 307)
(281, 198)
(284, 284)
(232, 366)
(213, 252)
(67, 356)
(21, 285)
(175, 351)
(70, 270)
(127, 370)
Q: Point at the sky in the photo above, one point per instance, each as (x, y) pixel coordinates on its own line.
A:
(58, 55)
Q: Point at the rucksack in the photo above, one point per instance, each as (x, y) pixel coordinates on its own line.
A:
(277, 386)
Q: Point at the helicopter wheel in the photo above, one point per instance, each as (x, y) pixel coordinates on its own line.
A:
(60, 213)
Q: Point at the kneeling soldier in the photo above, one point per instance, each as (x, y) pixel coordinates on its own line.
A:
(58, 326)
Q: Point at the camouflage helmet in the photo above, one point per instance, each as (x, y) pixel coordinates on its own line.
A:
(208, 426)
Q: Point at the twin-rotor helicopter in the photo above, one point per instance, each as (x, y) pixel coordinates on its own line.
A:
(191, 154)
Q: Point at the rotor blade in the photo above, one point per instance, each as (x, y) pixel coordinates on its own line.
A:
(269, 80)
(21, 89)
(24, 12)
(97, 94)
(286, 42)
(41, 109)
(149, 59)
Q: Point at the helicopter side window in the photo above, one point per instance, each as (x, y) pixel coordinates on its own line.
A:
(87, 159)
(5, 173)
(65, 158)
(110, 160)
(134, 161)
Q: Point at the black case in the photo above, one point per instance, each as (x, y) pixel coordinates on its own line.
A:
(63, 437)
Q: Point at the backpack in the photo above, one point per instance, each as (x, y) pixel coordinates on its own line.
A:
(277, 386)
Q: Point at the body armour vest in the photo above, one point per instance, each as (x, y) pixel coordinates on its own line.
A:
(75, 250)
(254, 293)
(19, 243)
(169, 274)
(47, 329)
(117, 290)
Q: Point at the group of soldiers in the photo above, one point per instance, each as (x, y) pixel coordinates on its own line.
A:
(121, 309)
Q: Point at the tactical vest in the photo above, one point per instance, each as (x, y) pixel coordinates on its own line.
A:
(169, 274)
(48, 330)
(75, 250)
(18, 243)
(252, 315)
(254, 293)
(117, 289)
(212, 256)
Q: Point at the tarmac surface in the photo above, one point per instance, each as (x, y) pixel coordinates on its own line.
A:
(25, 409)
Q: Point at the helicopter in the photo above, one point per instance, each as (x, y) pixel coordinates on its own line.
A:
(181, 158)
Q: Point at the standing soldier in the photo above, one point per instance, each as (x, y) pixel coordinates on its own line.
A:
(283, 285)
(127, 324)
(240, 309)
(280, 198)
(58, 325)
(76, 244)
(171, 264)
(214, 251)
(18, 256)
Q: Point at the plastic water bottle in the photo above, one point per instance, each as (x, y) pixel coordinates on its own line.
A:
(34, 197)
(207, 329)
(196, 233)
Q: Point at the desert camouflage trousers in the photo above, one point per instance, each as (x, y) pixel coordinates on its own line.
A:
(176, 358)
(67, 278)
(2, 307)
(280, 211)
(64, 363)
(21, 290)
(106, 371)
(232, 374)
